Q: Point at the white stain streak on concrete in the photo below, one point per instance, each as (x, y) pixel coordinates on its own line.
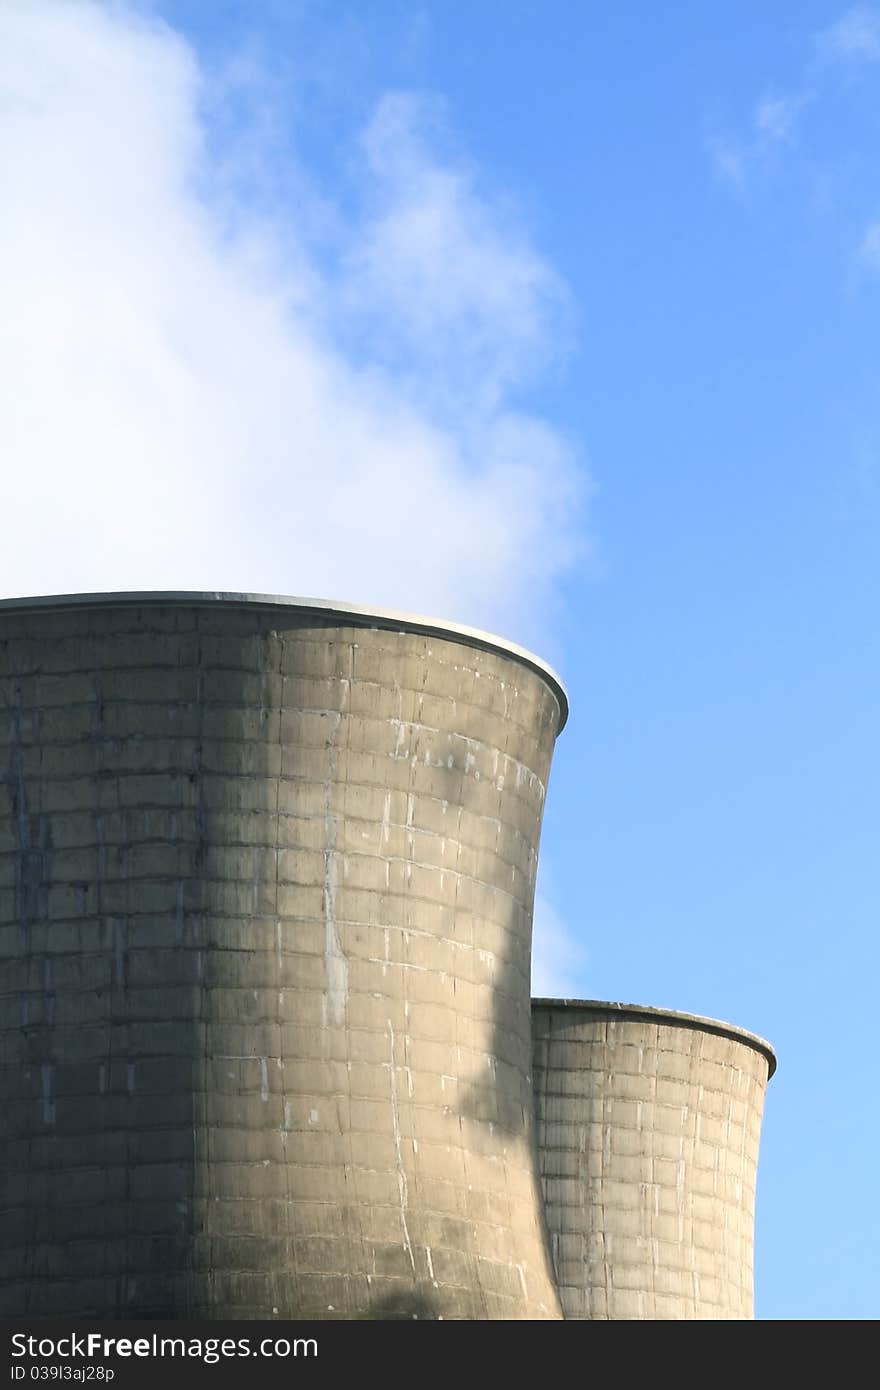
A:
(119, 934)
(264, 1079)
(681, 1190)
(178, 911)
(279, 966)
(335, 963)
(48, 1102)
(48, 992)
(401, 1172)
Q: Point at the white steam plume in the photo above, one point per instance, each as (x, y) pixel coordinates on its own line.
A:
(191, 399)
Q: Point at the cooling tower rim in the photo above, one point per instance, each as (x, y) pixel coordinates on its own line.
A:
(673, 1017)
(356, 614)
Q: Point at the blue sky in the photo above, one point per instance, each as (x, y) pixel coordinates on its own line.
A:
(574, 307)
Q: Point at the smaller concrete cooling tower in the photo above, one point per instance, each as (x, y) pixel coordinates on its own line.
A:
(648, 1126)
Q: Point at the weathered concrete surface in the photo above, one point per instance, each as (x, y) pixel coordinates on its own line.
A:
(648, 1126)
(266, 878)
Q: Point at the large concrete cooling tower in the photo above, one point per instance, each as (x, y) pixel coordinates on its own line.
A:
(648, 1126)
(267, 877)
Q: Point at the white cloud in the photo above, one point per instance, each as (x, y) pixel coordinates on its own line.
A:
(855, 36)
(454, 276)
(193, 400)
(559, 958)
(730, 161)
(776, 118)
(774, 124)
(869, 250)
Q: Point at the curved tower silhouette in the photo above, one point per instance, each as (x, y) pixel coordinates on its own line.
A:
(648, 1127)
(269, 870)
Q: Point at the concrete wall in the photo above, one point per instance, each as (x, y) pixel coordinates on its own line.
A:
(648, 1127)
(266, 877)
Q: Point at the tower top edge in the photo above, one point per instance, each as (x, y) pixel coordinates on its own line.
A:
(647, 1013)
(354, 614)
